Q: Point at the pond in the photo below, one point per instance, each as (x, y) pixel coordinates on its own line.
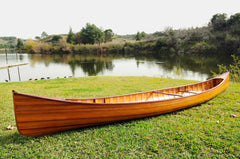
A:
(41, 66)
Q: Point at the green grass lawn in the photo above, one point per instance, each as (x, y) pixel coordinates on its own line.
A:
(203, 131)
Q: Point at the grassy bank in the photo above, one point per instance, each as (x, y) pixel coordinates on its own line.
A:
(206, 130)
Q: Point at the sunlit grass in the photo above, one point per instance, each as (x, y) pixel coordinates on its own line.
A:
(203, 131)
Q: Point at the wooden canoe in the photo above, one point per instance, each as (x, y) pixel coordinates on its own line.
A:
(36, 115)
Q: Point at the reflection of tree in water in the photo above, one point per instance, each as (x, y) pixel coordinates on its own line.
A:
(72, 65)
(20, 57)
(196, 63)
(91, 65)
(46, 63)
(139, 62)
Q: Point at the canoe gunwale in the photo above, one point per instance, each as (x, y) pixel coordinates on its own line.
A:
(68, 100)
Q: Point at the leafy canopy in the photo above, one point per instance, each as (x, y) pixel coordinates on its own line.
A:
(108, 35)
(91, 34)
(19, 44)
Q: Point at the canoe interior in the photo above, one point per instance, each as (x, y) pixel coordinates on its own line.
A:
(156, 95)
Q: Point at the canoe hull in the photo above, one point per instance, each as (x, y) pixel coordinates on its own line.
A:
(36, 116)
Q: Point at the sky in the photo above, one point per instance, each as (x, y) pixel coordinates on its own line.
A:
(29, 18)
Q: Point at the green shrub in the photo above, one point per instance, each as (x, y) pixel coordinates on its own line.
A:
(115, 48)
(233, 68)
(202, 47)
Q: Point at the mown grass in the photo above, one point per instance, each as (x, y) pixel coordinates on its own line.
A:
(203, 131)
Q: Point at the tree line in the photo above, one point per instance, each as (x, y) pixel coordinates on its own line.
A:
(221, 35)
(88, 35)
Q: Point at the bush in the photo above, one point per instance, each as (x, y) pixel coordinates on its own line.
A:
(160, 43)
(115, 48)
(202, 47)
(233, 68)
(128, 47)
(85, 48)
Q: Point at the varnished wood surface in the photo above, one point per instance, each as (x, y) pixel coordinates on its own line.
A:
(36, 116)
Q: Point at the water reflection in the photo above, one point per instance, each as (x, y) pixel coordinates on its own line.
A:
(90, 65)
(194, 67)
(196, 63)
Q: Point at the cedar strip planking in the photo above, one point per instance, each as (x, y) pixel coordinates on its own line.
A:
(36, 116)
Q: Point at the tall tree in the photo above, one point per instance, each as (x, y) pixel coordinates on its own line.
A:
(108, 35)
(91, 34)
(234, 19)
(19, 44)
(139, 36)
(233, 24)
(218, 22)
(143, 34)
(70, 37)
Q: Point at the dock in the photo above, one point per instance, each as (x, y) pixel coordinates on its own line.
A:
(7, 66)
(12, 65)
